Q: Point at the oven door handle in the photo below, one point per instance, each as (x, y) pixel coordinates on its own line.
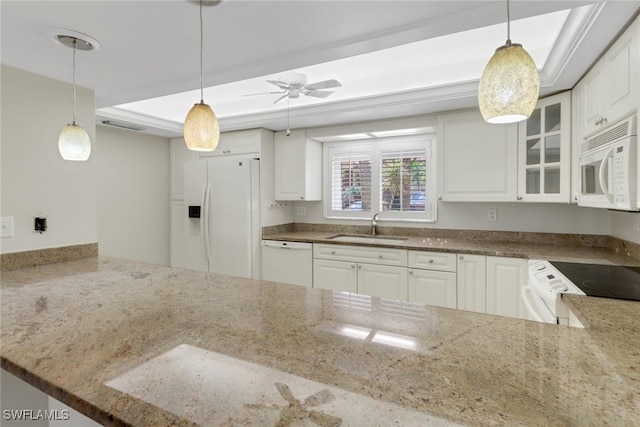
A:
(532, 313)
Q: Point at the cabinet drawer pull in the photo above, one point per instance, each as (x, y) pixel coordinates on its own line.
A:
(380, 256)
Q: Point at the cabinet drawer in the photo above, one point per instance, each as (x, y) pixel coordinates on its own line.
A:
(383, 256)
(441, 261)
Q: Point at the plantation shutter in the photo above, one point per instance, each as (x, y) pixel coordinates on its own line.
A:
(403, 180)
(350, 181)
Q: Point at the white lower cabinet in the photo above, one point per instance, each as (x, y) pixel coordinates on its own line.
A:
(432, 278)
(485, 284)
(505, 279)
(382, 281)
(335, 275)
(378, 272)
(472, 282)
(432, 287)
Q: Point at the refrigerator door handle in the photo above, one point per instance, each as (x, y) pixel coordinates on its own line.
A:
(204, 222)
(206, 236)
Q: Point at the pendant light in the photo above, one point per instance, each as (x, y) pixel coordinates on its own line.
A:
(510, 84)
(74, 142)
(201, 129)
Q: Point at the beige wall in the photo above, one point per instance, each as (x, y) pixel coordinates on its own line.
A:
(35, 179)
(133, 195)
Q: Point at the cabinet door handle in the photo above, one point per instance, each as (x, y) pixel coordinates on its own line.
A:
(430, 261)
(380, 256)
(461, 258)
(519, 198)
(353, 266)
(359, 266)
(411, 273)
(333, 252)
(301, 197)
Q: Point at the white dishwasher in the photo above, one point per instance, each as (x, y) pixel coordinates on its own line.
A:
(287, 262)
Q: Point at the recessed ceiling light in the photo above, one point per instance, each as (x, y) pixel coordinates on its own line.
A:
(66, 37)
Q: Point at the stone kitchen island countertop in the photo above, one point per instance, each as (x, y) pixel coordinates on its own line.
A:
(129, 343)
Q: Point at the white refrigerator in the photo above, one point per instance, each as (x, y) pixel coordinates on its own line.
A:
(222, 216)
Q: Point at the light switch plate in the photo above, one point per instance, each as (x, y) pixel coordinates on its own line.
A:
(6, 226)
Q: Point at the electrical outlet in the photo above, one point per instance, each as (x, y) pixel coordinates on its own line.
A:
(636, 222)
(302, 210)
(6, 226)
(492, 215)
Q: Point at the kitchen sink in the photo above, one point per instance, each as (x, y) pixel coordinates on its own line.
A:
(361, 238)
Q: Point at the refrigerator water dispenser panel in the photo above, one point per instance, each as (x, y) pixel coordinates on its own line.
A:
(194, 211)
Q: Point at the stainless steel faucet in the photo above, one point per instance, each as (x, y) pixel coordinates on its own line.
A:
(374, 223)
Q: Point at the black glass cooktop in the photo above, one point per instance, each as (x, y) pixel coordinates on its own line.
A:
(607, 281)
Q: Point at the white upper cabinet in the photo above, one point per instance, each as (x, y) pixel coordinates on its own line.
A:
(544, 153)
(298, 167)
(238, 142)
(477, 161)
(179, 154)
(609, 91)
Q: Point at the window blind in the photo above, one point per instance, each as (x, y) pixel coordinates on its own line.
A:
(351, 182)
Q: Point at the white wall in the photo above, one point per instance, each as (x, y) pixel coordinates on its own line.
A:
(530, 217)
(271, 215)
(133, 195)
(35, 179)
(623, 225)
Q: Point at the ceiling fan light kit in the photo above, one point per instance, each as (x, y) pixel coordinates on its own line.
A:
(510, 84)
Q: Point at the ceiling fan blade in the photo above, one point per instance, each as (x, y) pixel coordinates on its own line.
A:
(326, 84)
(319, 93)
(261, 93)
(281, 98)
(281, 85)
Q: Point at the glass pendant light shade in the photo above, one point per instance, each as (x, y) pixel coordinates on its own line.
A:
(74, 143)
(201, 129)
(509, 86)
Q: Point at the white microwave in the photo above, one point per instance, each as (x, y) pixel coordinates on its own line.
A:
(608, 168)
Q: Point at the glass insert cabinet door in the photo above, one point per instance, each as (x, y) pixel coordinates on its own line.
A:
(544, 151)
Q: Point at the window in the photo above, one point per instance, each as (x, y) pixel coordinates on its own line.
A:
(391, 175)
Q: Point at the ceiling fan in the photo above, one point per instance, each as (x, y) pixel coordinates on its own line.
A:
(292, 85)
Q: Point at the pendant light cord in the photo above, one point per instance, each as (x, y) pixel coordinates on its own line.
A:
(75, 43)
(201, 55)
(508, 26)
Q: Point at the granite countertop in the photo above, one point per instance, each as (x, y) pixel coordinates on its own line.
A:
(129, 343)
(481, 246)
